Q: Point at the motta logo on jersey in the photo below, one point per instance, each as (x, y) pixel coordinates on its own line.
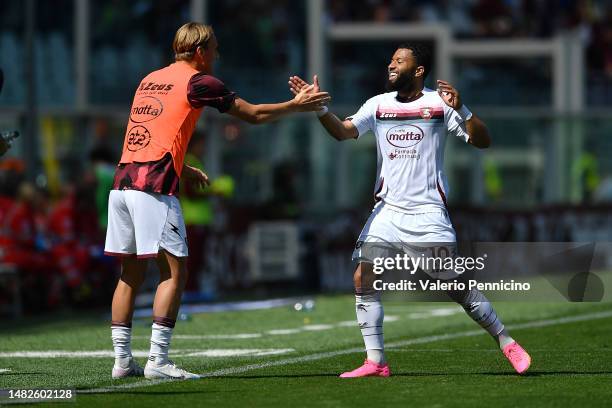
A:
(404, 136)
(146, 109)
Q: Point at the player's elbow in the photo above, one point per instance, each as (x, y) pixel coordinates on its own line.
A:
(254, 120)
(337, 135)
(485, 143)
(481, 139)
(253, 117)
(249, 113)
(259, 117)
(480, 144)
(344, 133)
(486, 139)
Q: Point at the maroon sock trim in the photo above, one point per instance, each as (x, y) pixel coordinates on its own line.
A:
(121, 324)
(164, 321)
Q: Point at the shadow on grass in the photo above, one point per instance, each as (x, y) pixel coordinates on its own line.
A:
(422, 374)
(255, 377)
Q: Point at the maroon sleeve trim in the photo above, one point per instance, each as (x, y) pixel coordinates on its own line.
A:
(206, 90)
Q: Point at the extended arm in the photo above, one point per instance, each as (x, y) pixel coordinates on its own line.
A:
(338, 129)
(476, 129)
(478, 132)
(304, 101)
(206, 90)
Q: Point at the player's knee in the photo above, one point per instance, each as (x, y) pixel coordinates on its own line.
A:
(357, 278)
(362, 278)
(458, 296)
(133, 277)
(182, 276)
(179, 276)
(133, 271)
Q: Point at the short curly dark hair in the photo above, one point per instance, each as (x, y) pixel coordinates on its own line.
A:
(421, 53)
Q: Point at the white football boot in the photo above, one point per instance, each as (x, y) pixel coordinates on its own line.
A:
(158, 369)
(127, 367)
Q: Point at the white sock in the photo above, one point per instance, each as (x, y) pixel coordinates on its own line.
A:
(503, 339)
(122, 337)
(370, 315)
(377, 356)
(478, 307)
(160, 342)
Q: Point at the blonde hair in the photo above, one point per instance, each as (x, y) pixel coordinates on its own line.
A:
(188, 37)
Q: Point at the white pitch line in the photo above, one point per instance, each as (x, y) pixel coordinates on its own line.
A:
(4, 370)
(208, 336)
(446, 311)
(330, 354)
(317, 327)
(437, 312)
(282, 332)
(220, 336)
(145, 353)
(239, 352)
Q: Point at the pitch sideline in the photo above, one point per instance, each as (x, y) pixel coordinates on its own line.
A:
(330, 354)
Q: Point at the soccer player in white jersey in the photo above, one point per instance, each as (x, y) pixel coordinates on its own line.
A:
(411, 124)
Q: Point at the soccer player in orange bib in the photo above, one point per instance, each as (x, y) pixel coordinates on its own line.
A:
(144, 215)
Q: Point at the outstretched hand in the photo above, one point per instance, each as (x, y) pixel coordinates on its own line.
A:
(308, 98)
(296, 84)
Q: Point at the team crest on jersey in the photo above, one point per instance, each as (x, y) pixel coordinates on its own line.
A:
(426, 113)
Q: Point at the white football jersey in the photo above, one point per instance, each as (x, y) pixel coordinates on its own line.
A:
(410, 140)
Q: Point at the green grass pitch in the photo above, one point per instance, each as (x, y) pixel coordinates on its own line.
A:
(280, 357)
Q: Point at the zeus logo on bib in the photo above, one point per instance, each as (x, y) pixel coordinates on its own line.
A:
(404, 136)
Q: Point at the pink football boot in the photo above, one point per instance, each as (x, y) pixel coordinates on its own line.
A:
(517, 356)
(368, 369)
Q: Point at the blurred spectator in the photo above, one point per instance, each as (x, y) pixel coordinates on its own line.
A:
(197, 212)
(104, 162)
(23, 247)
(492, 18)
(3, 146)
(55, 246)
(599, 51)
(479, 18)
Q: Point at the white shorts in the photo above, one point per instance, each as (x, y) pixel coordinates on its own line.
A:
(388, 228)
(141, 223)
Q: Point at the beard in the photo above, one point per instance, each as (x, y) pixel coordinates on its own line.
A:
(403, 82)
